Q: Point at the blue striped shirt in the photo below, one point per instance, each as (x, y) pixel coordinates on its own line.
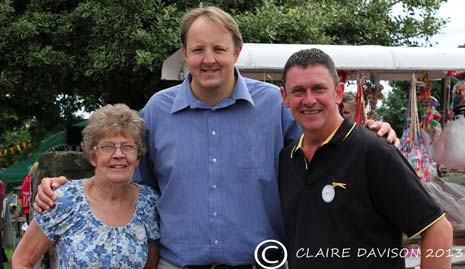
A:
(216, 167)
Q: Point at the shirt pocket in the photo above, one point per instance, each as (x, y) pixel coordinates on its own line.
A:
(248, 149)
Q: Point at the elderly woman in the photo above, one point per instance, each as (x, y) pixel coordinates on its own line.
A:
(103, 221)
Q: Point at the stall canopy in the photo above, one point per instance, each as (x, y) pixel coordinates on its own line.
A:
(266, 61)
(16, 172)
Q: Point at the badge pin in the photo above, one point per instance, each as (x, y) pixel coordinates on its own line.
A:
(328, 193)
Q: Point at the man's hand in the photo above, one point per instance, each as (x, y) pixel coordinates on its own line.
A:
(45, 198)
(383, 128)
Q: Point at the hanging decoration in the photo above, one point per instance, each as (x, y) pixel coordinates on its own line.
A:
(369, 91)
(360, 113)
(412, 141)
(458, 99)
(449, 149)
(373, 93)
(342, 79)
(429, 116)
(13, 149)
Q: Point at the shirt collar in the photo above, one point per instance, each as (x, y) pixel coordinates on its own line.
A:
(241, 90)
(336, 137)
(184, 97)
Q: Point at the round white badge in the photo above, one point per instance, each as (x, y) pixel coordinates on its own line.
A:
(328, 193)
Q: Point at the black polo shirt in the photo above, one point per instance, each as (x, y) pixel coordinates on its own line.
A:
(372, 196)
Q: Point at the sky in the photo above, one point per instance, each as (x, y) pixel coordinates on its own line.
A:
(453, 34)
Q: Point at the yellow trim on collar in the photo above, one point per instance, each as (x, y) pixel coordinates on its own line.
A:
(301, 140)
(350, 131)
(329, 137)
(424, 229)
(298, 146)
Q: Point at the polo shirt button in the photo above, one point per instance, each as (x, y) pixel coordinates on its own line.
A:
(214, 160)
(215, 214)
(214, 186)
(216, 242)
(213, 133)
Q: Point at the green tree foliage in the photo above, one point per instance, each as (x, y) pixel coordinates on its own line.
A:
(59, 56)
(357, 22)
(394, 107)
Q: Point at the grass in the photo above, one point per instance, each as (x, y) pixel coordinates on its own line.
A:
(9, 253)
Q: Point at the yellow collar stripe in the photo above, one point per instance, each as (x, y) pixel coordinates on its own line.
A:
(329, 137)
(350, 131)
(301, 140)
(298, 146)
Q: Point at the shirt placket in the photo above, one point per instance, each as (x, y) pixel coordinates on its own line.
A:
(214, 183)
(114, 252)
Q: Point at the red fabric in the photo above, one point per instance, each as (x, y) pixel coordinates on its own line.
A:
(26, 193)
(2, 188)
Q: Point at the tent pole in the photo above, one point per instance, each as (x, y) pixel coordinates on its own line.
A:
(445, 100)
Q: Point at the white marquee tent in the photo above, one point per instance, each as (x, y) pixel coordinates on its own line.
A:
(266, 61)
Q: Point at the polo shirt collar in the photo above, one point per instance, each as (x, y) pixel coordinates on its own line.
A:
(336, 137)
(299, 147)
(184, 97)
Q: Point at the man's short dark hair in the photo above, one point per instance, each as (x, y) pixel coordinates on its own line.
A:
(311, 57)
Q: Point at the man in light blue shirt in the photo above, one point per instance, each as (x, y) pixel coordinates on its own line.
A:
(214, 142)
(216, 169)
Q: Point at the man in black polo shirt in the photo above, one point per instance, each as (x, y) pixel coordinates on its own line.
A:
(347, 195)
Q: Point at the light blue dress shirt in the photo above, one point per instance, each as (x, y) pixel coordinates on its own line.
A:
(216, 167)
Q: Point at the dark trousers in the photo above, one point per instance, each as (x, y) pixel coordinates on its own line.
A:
(3, 257)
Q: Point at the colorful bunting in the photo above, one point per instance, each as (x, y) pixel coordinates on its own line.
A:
(14, 149)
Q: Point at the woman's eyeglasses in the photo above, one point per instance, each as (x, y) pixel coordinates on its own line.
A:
(111, 148)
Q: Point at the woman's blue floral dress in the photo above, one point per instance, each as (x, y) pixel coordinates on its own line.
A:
(83, 241)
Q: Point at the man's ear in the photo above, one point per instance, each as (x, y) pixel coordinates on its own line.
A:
(339, 92)
(237, 52)
(284, 95)
(184, 52)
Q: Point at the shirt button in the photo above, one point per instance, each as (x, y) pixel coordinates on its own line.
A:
(213, 133)
(214, 186)
(216, 242)
(215, 214)
(214, 160)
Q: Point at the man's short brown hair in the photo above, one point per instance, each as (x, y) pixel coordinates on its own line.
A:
(215, 15)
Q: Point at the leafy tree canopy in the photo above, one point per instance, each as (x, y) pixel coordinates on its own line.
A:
(60, 56)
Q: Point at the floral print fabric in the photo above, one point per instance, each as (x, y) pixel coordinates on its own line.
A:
(83, 241)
